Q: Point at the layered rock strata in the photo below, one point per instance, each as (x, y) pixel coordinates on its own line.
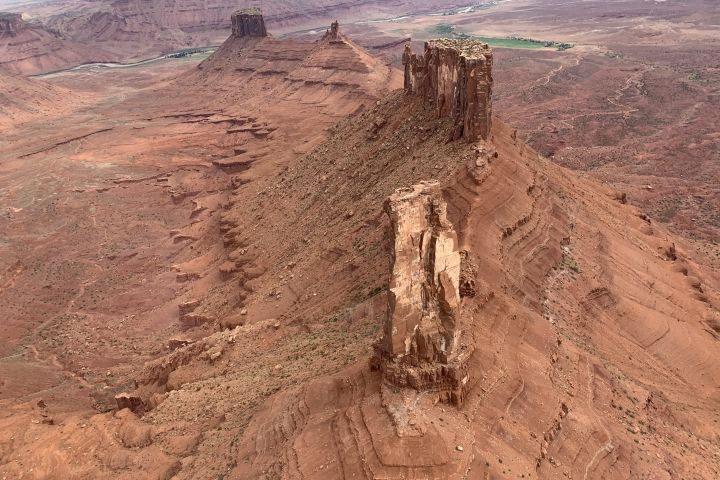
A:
(420, 347)
(10, 23)
(248, 22)
(456, 76)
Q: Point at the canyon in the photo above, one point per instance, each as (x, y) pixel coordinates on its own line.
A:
(72, 32)
(614, 105)
(298, 259)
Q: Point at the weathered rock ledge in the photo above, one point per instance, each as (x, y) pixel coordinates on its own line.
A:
(248, 22)
(456, 76)
(420, 348)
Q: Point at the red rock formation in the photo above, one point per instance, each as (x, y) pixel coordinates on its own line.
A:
(248, 22)
(456, 75)
(420, 348)
(130, 401)
(333, 33)
(295, 67)
(10, 23)
(29, 48)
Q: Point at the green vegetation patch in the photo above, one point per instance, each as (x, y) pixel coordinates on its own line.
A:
(449, 31)
(511, 42)
(568, 262)
(444, 29)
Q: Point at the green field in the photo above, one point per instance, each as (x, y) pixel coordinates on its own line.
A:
(446, 30)
(510, 42)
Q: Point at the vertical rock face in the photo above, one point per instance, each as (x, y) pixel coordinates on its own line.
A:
(248, 22)
(420, 347)
(10, 23)
(333, 33)
(456, 76)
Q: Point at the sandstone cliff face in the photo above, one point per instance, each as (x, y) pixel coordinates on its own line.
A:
(10, 23)
(456, 76)
(248, 22)
(420, 344)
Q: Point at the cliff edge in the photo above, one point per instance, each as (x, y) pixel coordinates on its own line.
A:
(456, 77)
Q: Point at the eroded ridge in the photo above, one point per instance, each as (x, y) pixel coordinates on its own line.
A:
(248, 22)
(421, 347)
(456, 76)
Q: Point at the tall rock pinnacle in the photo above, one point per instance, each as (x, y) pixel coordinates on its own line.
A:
(420, 344)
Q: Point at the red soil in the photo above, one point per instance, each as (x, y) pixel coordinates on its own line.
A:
(213, 241)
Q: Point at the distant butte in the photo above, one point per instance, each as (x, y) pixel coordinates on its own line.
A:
(10, 23)
(248, 22)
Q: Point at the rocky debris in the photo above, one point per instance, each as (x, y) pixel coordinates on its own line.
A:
(189, 306)
(479, 166)
(10, 23)
(375, 128)
(132, 433)
(175, 343)
(468, 272)
(132, 402)
(191, 320)
(420, 347)
(248, 22)
(671, 252)
(228, 268)
(187, 276)
(212, 354)
(456, 76)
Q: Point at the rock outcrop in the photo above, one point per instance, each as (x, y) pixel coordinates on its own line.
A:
(420, 347)
(333, 33)
(456, 76)
(10, 23)
(248, 22)
(32, 47)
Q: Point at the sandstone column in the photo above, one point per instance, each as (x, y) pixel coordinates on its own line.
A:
(420, 344)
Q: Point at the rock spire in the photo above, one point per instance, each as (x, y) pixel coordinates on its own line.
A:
(420, 346)
(248, 22)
